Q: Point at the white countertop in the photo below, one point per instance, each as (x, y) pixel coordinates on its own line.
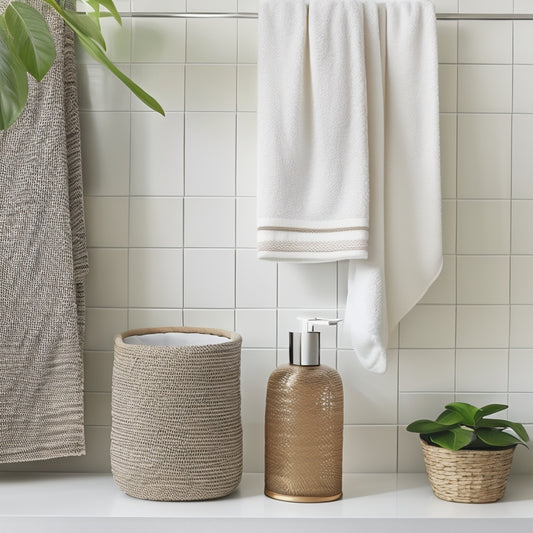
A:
(397, 503)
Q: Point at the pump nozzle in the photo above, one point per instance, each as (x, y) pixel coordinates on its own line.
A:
(304, 347)
(308, 324)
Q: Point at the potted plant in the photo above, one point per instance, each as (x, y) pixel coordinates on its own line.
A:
(26, 47)
(468, 456)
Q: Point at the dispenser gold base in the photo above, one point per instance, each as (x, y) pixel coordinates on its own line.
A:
(302, 499)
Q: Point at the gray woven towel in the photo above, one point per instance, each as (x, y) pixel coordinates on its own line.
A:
(43, 262)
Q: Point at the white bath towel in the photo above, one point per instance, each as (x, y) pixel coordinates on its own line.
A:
(313, 196)
(405, 254)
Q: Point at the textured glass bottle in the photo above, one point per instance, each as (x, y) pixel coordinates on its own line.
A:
(304, 424)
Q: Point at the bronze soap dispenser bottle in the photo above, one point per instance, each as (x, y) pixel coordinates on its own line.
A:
(304, 423)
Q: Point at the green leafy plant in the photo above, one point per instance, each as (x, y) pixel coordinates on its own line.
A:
(464, 426)
(26, 46)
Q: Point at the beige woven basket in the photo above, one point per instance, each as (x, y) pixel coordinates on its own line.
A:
(467, 476)
(176, 423)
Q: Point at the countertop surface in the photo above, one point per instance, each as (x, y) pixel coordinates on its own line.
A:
(42, 502)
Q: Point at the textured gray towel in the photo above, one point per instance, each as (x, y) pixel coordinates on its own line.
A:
(43, 261)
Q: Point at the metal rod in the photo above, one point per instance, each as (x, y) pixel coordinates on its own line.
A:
(244, 15)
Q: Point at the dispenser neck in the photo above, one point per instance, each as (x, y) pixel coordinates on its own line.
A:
(304, 348)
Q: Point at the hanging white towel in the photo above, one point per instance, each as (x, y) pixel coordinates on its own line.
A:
(406, 258)
(313, 196)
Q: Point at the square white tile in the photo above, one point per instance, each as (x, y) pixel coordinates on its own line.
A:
(523, 6)
(156, 222)
(210, 318)
(256, 281)
(521, 279)
(146, 6)
(247, 88)
(484, 156)
(247, 41)
(246, 154)
(443, 289)
(106, 220)
(523, 41)
(369, 449)
(209, 278)
(483, 226)
(448, 154)
(246, 233)
(521, 370)
(449, 224)
(158, 40)
(211, 5)
(154, 318)
(210, 88)
(155, 278)
(102, 326)
(522, 222)
(165, 82)
(426, 370)
(414, 406)
(482, 279)
(522, 156)
(485, 6)
(485, 41)
(368, 398)
(447, 88)
(209, 222)
(100, 90)
(210, 154)
(288, 320)
(485, 88)
(257, 327)
(410, 457)
(105, 153)
(482, 370)
(428, 326)
(253, 447)
(522, 89)
(446, 6)
(157, 154)
(98, 370)
(447, 41)
(97, 408)
(521, 330)
(212, 40)
(521, 407)
(248, 6)
(312, 285)
(107, 280)
(482, 326)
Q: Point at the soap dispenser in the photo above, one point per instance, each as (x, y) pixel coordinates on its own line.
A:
(304, 423)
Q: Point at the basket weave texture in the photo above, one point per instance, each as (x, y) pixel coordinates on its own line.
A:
(176, 417)
(467, 476)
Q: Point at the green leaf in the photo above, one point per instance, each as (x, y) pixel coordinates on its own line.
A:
(468, 412)
(490, 409)
(519, 429)
(496, 437)
(107, 4)
(449, 418)
(98, 54)
(31, 37)
(426, 427)
(84, 25)
(13, 80)
(453, 439)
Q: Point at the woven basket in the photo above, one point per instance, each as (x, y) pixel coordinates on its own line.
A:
(176, 423)
(467, 476)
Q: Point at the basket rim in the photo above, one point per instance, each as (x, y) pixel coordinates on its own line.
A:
(431, 446)
(232, 336)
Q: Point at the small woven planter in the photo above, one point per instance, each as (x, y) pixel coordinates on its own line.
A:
(467, 476)
(176, 413)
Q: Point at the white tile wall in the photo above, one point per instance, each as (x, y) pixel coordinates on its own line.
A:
(170, 213)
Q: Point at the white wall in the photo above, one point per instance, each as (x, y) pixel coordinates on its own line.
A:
(171, 227)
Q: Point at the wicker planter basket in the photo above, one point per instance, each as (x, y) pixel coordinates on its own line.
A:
(467, 476)
(176, 423)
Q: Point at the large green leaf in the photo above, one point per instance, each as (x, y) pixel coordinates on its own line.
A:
(449, 418)
(31, 38)
(98, 54)
(13, 80)
(453, 439)
(108, 4)
(496, 437)
(468, 412)
(84, 25)
(519, 429)
(426, 427)
(490, 410)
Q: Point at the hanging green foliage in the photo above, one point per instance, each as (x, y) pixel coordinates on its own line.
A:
(26, 47)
